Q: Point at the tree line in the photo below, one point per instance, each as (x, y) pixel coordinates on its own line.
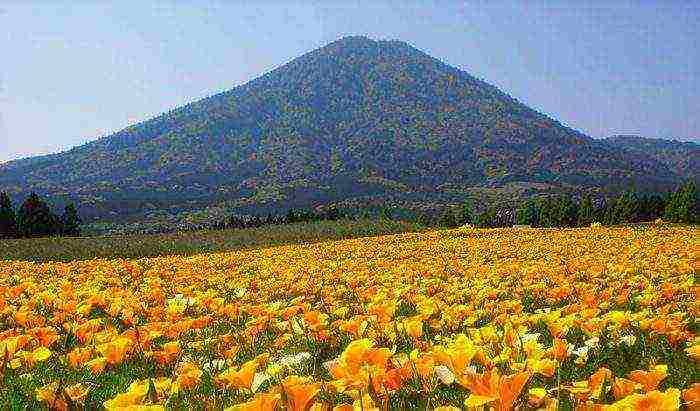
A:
(34, 218)
(293, 215)
(680, 206)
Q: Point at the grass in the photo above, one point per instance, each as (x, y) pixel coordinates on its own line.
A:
(189, 243)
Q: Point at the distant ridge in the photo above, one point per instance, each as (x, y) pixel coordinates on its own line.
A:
(355, 119)
(681, 157)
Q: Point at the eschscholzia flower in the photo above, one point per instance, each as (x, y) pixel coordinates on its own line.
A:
(188, 375)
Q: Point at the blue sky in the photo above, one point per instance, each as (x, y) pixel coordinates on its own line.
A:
(74, 71)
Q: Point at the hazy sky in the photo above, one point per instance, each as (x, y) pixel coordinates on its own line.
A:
(74, 72)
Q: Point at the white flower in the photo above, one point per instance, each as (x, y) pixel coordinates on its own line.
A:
(295, 360)
(444, 375)
(581, 352)
(592, 342)
(328, 365)
(296, 327)
(259, 379)
(214, 365)
(629, 340)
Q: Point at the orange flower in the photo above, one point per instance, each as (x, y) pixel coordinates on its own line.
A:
(623, 387)
(79, 356)
(77, 392)
(189, 375)
(596, 382)
(543, 366)
(691, 396)
(414, 326)
(491, 386)
(261, 402)
(654, 400)
(357, 363)
(169, 352)
(10, 346)
(300, 392)
(241, 378)
(559, 349)
(650, 379)
(115, 351)
(46, 336)
(85, 331)
(97, 365)
(457, 355)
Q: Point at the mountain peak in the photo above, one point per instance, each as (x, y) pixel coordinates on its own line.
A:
(357, 118)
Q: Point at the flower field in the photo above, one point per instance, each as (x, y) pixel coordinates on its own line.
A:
(594, 318)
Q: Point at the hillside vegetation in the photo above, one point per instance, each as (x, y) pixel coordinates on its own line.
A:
(353, 121)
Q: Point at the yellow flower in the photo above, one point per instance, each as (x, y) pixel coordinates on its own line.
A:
(414, 326)
(654, 400)
(694, 352)
(77, 392)
(47, 393)
(41, 354)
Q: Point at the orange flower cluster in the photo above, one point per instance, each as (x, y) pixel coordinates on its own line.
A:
(594, 318)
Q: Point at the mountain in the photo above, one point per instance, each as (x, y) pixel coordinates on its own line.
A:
(681, 157)
(355, 119)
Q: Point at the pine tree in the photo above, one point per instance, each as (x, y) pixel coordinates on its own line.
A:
(609, 213)
(528, 213)
(682, 205)
(657, 205)
(586, 212)
(567, 211)
(486, 218)
(448, 218)
(71, 221)
(466, 214)
(35, 218)
(8, 219)
(549, 215)
(627, 208)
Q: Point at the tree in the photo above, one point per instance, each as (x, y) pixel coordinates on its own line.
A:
(8, 219)
(586, 212)
(35, 218)
(386, 213)
(682, 205)
(567, 211)
(627, 208)
(549, 213)
(448, 218)
(486, 218)
(71, 221)
(609, 212)
(528, 213)
(466, 213)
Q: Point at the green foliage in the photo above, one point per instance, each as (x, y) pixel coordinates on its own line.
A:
(8, 219)
(528, 213)
(196, 242)
(35, 218)
(486, 218)
(682, 205)
(466, 215)
(627, 207)
(448, 218)
(586, 212)
(71, 221)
